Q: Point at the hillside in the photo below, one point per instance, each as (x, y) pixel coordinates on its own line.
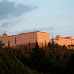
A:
(10, 65)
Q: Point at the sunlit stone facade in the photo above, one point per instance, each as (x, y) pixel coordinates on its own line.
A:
(8, 40)
(63, 40)
(26, 38)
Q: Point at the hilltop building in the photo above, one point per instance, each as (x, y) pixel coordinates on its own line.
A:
(41, 38)
(67, 41)
(30, 38)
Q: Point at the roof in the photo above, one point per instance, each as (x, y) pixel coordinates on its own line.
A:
(24, 33)
(67, 38)
(32, 32)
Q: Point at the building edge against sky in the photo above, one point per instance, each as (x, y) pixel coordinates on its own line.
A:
(26, 38)
(42, 38)
(67, 41)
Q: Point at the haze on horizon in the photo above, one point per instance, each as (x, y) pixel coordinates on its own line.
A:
(53, 16)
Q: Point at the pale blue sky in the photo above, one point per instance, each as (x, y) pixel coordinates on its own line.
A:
(52, 16)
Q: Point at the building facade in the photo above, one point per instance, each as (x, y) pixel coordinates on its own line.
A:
(41, 38)
(63, 40)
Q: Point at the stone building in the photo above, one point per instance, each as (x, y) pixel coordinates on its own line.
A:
(67, 41)
(41, 38)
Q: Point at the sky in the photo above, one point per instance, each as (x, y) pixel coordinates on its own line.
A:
(53, 16)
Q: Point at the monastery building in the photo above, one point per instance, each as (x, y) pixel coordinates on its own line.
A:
(25, 38)
(67, 41)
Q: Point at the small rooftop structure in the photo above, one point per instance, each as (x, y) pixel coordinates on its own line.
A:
(4, 33)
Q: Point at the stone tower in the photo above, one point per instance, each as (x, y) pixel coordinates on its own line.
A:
(4, 33)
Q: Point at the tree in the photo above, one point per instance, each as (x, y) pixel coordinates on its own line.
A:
(8, 43)
(49, 45)
(71, 64)
(52, 44)
(36, 46)
(39, 60)
(2, 45)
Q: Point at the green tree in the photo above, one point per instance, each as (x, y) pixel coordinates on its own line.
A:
(11, 65)
(39, 60)
(71, 64)
(36, 46)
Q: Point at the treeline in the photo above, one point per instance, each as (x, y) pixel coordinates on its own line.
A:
(53, 59)
(9, 64)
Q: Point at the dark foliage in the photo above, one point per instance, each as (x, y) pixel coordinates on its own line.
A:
(10, 65)
(53, 59)
(71, 64)
(39, 60)
(36, 46)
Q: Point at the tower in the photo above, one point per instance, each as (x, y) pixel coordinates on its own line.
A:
(4, 33)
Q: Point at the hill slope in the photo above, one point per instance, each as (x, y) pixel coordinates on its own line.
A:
(10, 65)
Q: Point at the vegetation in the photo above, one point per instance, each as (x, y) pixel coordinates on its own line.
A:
(53, 59)
(11, 65)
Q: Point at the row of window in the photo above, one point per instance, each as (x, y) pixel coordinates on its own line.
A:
(27, 35)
